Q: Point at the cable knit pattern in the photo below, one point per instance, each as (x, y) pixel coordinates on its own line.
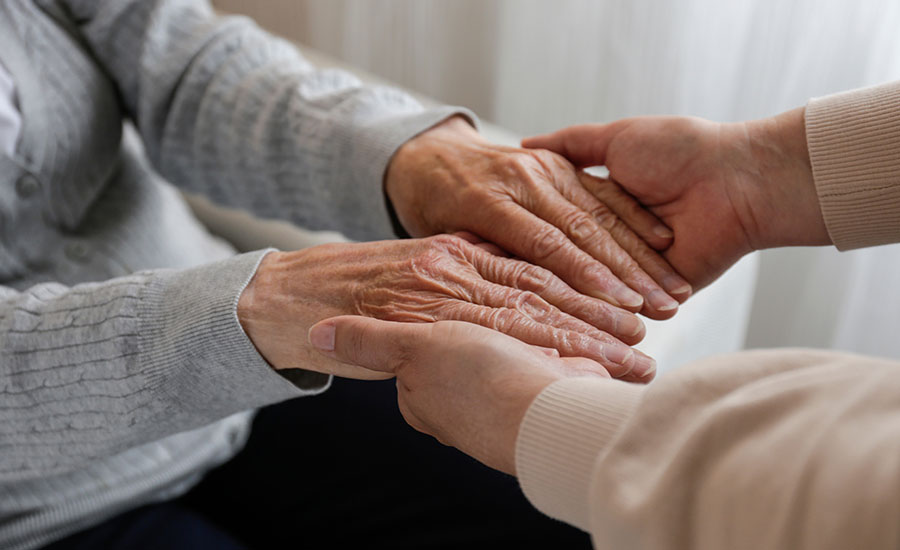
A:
(124, 373)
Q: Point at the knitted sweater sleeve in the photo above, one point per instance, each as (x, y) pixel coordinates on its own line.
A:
(238, 115)
(91, 370)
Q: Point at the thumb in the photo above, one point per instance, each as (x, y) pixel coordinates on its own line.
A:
(368, 343)
(584, 145)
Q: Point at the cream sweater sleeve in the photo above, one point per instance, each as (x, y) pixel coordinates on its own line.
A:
(854, 146)
(780, 449)
(776, 449)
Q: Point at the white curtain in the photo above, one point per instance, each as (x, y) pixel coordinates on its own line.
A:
(536, 65)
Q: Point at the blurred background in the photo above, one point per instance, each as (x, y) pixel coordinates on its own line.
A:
(532, 66)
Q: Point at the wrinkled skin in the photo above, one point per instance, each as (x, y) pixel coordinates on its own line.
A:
(724, 189)
(464, 385)
(533, 205)
(424, 280)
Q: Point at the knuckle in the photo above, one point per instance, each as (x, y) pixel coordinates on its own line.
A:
(437, 256)
(579, 224)
(427, 264)
(546, 156)
(532, 277)
(554, 161)
(548, 242)
(446, 242)
(604, 217)
(354, 344)
(530, 304)
(572, 342)
(504, 319)
(632, 208)
(521, 167)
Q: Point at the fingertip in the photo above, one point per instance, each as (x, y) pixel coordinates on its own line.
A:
(657, 241)
(657, 315)
(678, 288)
(321, 335)
(663, 232)
(660, 301)
(644, 368)
(630, 328)
(535, 142)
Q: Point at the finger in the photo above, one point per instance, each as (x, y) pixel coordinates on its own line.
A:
(587, 229)
(617, 358)
(647, 226)
(646, 365)
(623, 233)
(528, 277)
(534, 307)
(481, 243)
(370, 343)
(528, 236)
(584, 145)
(569, 201)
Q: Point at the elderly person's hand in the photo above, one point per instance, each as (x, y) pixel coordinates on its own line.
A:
(467, 386)
(531, 204)
(444, 277)
(724, 189)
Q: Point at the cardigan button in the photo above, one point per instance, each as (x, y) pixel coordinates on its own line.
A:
(27, 186)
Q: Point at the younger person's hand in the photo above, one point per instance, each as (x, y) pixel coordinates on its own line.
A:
(466, 385)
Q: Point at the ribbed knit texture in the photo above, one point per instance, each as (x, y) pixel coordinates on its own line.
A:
(854, 146)
(124, 372)
(778, 449)
(564, 431)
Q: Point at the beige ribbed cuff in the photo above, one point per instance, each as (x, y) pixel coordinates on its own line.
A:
(854, 146)
(561, 437)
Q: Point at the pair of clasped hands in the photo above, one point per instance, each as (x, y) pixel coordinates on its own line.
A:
(523, 241)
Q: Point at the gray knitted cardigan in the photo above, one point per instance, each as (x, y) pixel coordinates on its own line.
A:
(124, 374)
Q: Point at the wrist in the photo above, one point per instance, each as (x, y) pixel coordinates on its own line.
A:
(254, 307)
(416, 160)
(784, 207)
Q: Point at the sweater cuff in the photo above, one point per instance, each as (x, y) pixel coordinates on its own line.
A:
(195, 351)
(561, 437)
(368, 149)
(854, 147)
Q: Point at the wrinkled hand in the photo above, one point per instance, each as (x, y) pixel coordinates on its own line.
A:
(467, 386)
(724, 189)
(531, 204)
(439, 278)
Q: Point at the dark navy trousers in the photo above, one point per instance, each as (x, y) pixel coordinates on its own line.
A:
(340, 470)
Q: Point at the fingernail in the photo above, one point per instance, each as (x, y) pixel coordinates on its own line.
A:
(676, 285)
(627, 297)
(321, 336)
(660, 301)
(663, 232)
(629, 325)
(618, 354)
(644, 366)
